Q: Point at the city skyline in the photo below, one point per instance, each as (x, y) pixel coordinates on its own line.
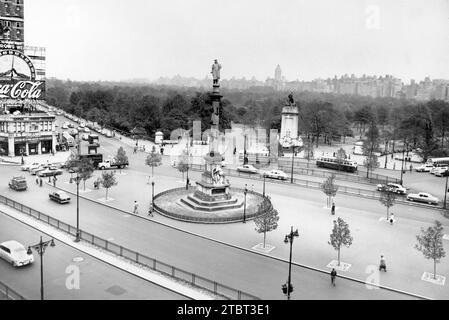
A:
(309, 40)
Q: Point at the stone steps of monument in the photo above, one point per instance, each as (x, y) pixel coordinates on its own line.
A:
(194, 206)
(206, 203)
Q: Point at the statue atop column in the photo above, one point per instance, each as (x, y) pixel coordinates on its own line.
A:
(291, 100)
(216, 67)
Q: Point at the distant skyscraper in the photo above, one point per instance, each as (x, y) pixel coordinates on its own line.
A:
(278, 74)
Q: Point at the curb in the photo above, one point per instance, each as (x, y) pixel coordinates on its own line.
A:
(254, 252)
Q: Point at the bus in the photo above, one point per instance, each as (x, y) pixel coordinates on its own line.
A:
(434, 161)
(334, 163)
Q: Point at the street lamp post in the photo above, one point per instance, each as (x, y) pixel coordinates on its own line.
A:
(244, 208)
(152, 193)
(40, 249)
(402, 166)
(77, 181)
(445, 190)
(288, 288)
(293, 160)
(264, 185)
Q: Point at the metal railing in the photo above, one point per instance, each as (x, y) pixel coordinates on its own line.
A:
(371, 194)
(301, 167)
(211, 220)
(6, 293)
(188, 277)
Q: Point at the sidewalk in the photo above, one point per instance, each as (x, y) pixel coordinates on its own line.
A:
(370, 230)
(109, 258)
(59, 157)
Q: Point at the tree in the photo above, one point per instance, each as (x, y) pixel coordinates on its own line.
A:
(341, 156)
(121, 157)
(85, 170)
(430, 243)
(268, 221)
(154, 159)
(387, 198)
(370, 147)
(340, 236)
(330, 189)
(183, 163)
(108, 180)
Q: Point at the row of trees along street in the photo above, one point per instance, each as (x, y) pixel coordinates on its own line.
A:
(389, 124)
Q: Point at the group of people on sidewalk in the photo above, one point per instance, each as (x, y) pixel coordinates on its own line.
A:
(382, 267)
(136, 209)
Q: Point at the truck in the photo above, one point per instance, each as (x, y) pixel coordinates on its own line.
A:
(18, 184)
(96, 158)
(112, 163)
(68, 139)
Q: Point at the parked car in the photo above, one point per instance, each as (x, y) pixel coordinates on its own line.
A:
(276, 174)
(85, 136)
(86, 129)
(28, 167)
(18, 184)
(423, 197)
(437, 166)
(59, 196)
(50, 172)
(440, 170)
(71, 125)
(36, 170)
(15, 253)
(424, 168)
(394, 187)
(65, 126)
(247, 168)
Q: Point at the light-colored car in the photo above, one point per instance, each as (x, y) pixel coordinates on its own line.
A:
(65, 126)
(15, 253)
(394, 187)
(28, 167)
(424, 168)
(59, 196)
(440, 171)
(247, 168)
(85, 136)
(86, 129)
(423, 197)
(50, 172)
(276, 174)
(437, 166)
(36, 170)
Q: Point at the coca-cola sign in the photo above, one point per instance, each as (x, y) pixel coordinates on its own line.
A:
(18, 77)
(23, 90)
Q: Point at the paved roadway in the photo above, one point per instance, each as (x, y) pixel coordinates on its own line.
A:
(250, 272)
(258, 275)
(98, 280)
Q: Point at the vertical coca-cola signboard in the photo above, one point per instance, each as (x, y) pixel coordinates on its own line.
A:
(18, 78)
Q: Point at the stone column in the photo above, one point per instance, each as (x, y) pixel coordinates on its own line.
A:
(11, 146)
(39, 146)
(27, 148)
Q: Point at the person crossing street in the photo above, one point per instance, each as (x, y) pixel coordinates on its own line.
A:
(333, 276)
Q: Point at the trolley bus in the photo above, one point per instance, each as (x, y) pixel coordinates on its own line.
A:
(334, 163)
(435, 161)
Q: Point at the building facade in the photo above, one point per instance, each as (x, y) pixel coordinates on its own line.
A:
(27, 134)
(12, 22)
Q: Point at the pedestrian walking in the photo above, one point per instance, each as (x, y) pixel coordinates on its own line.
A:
(150, 210)
(54, 181)
(394, 166)
(383, 264)
(333, 208)
(37, 181)
(333, 275)
(411, 168)
(392, 218)
(136, 208)
(40, 182)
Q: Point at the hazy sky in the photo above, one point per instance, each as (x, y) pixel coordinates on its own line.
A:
(116, 40)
